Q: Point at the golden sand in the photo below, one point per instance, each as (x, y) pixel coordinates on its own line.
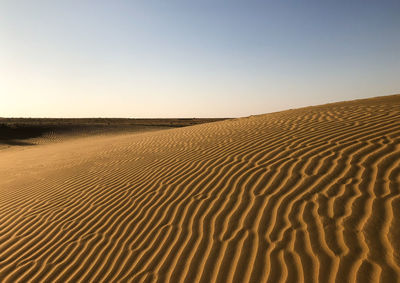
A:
(305, 195)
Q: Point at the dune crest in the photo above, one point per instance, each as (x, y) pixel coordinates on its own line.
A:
(304, 195)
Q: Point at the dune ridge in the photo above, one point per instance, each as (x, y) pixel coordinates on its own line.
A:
(304, 195)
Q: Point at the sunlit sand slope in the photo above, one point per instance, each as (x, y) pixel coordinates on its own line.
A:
(306, 195)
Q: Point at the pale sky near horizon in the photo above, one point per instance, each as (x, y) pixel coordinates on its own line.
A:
(193, 58)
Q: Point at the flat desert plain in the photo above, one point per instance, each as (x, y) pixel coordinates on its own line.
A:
(304, 195)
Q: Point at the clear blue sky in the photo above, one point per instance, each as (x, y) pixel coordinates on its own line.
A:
(193, 58)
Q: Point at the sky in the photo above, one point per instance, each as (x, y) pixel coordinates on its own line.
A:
(121, 58)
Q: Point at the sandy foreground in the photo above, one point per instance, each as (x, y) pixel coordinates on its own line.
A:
(305, 195)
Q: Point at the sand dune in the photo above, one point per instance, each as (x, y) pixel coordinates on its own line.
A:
(33, 131)
(305, 195)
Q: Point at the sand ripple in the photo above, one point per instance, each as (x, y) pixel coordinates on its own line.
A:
(306, 195)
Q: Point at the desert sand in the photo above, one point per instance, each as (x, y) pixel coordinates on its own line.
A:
(31, 131)
(303, 195)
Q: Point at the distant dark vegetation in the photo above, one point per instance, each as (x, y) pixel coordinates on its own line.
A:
(15, 131)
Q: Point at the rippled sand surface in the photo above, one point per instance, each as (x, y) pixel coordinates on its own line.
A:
(305, 195)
